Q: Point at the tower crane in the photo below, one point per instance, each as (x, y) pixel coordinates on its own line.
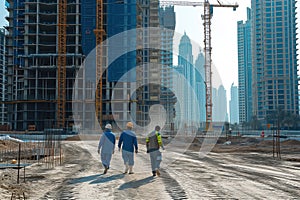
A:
(61, 64)
(206, 17)
(99, 33)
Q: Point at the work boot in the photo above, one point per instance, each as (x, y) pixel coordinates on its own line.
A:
(158, 172)
(126, 169)
(130, 170)
(154, 173)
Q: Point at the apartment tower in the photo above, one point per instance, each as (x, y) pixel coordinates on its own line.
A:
(274, 53)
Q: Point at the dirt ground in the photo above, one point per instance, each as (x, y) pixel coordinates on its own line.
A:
(243, 170)
(7, 145)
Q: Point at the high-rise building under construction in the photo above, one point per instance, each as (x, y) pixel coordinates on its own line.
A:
(32, 60)
(33, 54)
(3, 107)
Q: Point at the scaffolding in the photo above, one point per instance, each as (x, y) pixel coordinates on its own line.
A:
(42, 64)
(61, 64)
(99, 33)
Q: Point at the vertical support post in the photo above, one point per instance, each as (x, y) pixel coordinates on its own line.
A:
(99, 33)
(273, 138)
(278, 143)
(61, 64)
(207, 65)
(19, 158)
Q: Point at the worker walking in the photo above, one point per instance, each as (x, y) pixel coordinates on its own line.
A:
(128, 143)
(153, 143)
(107, 145)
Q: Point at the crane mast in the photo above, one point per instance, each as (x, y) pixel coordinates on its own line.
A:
(61, 64)
(207, 64)
(207, 47)
(99, 33)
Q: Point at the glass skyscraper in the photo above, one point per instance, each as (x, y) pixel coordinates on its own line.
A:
(185, 60)
(233, 105)
(275, 83)
(245, 68)
(200, 85)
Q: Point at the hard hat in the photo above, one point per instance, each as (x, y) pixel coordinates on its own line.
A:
(13, 161)
(129, 125)
(108, 126)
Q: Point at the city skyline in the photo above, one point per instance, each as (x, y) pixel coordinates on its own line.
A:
(224, 21)
(193, 15)
(216, 48)
(224, 45)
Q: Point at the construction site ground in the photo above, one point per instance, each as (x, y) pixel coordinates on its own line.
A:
(236, 171)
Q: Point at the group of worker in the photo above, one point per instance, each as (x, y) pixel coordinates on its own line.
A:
(129, 145)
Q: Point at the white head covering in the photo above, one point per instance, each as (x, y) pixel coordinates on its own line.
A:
(108, 126)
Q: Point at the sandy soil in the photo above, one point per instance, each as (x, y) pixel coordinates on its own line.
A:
(7, 145)
(236, 173)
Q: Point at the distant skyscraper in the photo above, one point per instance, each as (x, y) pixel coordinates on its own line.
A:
(219, 104)
(179, 88)
(245, 68)
(222, 104)
(185, 60)
(214, 103)
(275, 83)
(233, 105)
(200, 85)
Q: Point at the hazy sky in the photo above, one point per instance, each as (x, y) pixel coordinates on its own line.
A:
(3, 13)
(224, 37)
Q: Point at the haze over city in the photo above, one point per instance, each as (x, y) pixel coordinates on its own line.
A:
(224, 34)
(139, 117)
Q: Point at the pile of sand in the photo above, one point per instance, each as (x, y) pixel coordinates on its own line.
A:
(5, 144)
(266, 143)
(83, 137)
(244, 144)
(73, 138)
(291, 142)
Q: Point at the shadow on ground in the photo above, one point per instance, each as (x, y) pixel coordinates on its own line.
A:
(136, 183)
(104, 179)
(84, 179)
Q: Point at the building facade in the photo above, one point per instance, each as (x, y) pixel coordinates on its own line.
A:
(200, 85)
(233, 105)
(245, 68)
(186, 61)
(3, 82)
(275, 80)
(120, 18)
(32, 59)
(219, 100)
(167, 21)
